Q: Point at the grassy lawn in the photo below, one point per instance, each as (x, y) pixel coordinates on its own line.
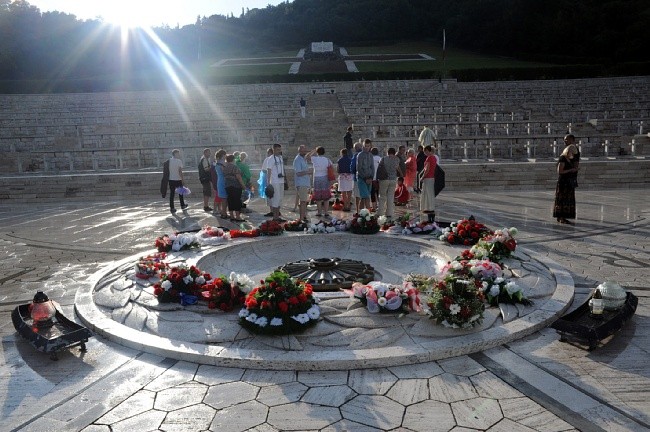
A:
(251, 70)
(455, 59)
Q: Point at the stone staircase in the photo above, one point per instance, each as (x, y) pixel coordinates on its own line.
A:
(324, 125)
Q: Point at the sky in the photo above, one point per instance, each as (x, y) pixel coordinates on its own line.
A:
(149, 12)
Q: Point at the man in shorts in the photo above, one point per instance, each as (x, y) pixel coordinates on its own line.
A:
(365, 173)
(302, 181)
(205, 177)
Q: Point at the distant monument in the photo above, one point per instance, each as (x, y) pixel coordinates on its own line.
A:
(323, 51)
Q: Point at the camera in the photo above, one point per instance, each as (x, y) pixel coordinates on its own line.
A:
(280, 175)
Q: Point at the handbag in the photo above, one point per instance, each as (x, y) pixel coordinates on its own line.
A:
(439, 180)
(269, 191)
(331, 175)
(382, 174)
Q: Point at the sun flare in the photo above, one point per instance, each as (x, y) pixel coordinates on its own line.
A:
(132, 14)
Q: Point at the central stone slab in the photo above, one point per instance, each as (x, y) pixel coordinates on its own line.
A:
(123, 309)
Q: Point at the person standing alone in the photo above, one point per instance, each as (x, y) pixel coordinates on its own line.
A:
(205, 177)
(175, 179)
(303, 107)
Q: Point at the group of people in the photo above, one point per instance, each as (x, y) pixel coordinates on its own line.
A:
(372, 181)
(225, 177)
(365, 177)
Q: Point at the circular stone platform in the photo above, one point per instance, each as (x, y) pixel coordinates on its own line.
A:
(123, 309)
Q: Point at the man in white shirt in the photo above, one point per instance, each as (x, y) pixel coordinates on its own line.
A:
(427, 137)
(175, 179)
(274, 165)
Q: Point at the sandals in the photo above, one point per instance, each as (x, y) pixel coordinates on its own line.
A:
(224, 216)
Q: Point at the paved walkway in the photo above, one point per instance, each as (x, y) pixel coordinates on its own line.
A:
(536, 383)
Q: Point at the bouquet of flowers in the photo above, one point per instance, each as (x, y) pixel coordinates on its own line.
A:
(181, 284)
(296, 225)
(500, 290)
(150, 265)
(456, 302)
(176, 242)
(422, 228)
(473, 268)
(382, 297)
(212, 235)
(280, 305)
(226, 294)
(321, 227)
(421, 282)
(466, 232)
(364, 223)
(244, 233)
(270, 228)
(497, 246)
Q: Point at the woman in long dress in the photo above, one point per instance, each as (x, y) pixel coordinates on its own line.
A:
(428, 196)
(564, 207)
(411, 170)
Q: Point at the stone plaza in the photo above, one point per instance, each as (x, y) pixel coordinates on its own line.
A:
(532, 382)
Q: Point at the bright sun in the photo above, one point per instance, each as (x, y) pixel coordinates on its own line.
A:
(133, 13)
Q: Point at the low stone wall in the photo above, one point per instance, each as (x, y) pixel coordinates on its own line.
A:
(482, 177)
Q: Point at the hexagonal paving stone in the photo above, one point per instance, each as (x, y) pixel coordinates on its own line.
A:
(180, 373)
(409, 391)
(281, 394)
(212, 375)
(268, 377)
(301, 416)
(507, 425)
(333, 396)
(450, 388)
(323, 378)
(347, 426)
(239, 418)
(462, 365)
(371, 381)
(146, 421)
(139, 402)
(192, 418)
(225, 395)
(489, 385)
(180, 396)
(478, 413)
(376, 411)
(428, 416)
(420, 370)
(531, 414)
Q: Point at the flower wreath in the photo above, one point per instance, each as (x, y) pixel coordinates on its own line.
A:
(176, 242)
(497, 246)
(212, 235)
(181, 284)
(150, 265)
(270, 228)
(280, 305)
(297, 225)
(227, 294)
(364, 223)
(383, 297)
(244, 233)
(466, 232)
(456, 302)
